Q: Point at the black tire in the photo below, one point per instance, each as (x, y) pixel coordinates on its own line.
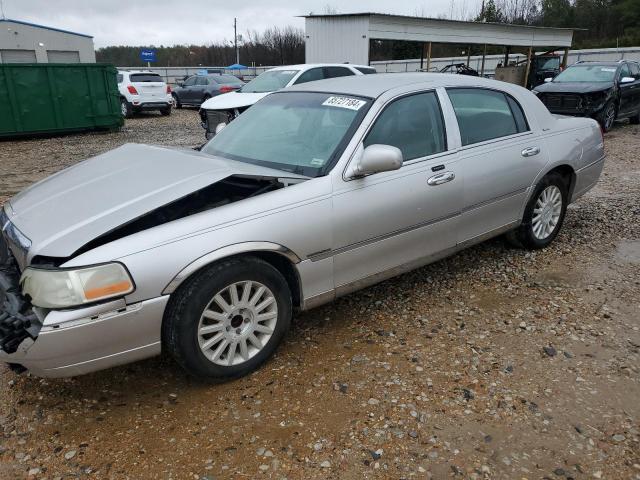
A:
(187, 304)
(125, 108)
(166, 111)
(607, 116)
(176, 100)
(205, 98)
(524, 236)
(635, 120)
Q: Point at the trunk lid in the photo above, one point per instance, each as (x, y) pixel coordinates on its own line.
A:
(150, 87)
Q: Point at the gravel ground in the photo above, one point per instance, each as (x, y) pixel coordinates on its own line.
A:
(494, 363)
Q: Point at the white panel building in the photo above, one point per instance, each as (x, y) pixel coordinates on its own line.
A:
(23, 42)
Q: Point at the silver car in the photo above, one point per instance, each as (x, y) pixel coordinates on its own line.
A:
(315, 192)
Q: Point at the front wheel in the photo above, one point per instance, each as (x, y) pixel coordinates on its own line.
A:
(543, 215)
(228, 319)
(176, 101)
(607, 116)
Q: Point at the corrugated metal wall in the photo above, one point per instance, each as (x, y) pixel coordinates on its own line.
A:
(172, 74)
(337, 40)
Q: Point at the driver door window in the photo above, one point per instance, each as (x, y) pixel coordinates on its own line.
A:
(413, 124)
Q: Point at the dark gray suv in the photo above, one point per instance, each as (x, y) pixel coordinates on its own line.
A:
(199, 88)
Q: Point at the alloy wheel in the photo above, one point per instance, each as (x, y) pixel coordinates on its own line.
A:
(546, 212)
(610, 116)
(237, 323)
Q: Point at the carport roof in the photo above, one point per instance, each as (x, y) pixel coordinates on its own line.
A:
(385, 26)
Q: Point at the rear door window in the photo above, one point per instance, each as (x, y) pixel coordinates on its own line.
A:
(413, 124)
(334, 72)
(311, 76)
(190, 82)
(202, 81)
(486, 114)
(145, 77)
(366, 71)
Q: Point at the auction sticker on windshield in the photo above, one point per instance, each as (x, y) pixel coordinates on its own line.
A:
(608, 69)
(344, 102)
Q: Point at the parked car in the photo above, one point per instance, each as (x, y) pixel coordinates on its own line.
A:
(460, 69)
(605, 91)
(199, 88)
(314, 192)
(140, 90)
(224, 109)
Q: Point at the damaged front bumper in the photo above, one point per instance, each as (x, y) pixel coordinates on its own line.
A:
(64, 343)
(75, 342)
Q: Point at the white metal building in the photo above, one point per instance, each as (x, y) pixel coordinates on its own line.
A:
(346, 37)
(23, 42)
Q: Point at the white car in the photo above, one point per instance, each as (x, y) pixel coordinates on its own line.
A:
(224, 108)
(142, 90)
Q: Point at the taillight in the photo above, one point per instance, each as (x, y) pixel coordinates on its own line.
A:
(168, 89)
(132, 90)
(227, 89)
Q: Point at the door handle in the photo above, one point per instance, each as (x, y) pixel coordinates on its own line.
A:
(441, 178)
(530, 151)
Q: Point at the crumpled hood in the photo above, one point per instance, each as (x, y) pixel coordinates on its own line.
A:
(573, 87)
(64, 212)
(233, 100)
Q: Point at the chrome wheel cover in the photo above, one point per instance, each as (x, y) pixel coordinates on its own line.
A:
(546, 212)
(237, 323)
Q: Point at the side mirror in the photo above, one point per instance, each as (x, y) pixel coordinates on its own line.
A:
(219, 127)
(627, 80)
(548, 79)
(377, 158)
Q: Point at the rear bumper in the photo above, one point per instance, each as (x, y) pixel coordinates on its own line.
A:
(151, 105)
(80, 341)
(587, 177)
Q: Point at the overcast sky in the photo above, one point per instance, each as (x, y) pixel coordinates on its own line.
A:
(163, 22)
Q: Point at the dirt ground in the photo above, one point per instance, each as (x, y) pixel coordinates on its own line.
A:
(494, 363)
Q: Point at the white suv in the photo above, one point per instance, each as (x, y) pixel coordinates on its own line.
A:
(140, 90)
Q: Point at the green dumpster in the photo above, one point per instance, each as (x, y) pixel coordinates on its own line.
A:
(52, 98)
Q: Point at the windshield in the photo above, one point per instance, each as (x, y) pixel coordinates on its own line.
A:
(269, 81)
(587, 73)
(222, 79)
(297, 132)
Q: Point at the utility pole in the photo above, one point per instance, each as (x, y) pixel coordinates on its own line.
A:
(2, 10)
(235, 39)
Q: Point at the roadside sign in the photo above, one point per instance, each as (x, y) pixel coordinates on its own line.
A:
(148, 55)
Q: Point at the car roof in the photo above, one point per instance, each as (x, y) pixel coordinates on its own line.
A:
(375, 85)
(307, 66)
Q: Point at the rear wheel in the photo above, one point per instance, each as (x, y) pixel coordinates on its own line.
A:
(607, 116)
(205, 98)
(166, 111)
(635, 120)
(125, 108)
(543, 215)
(228, 319)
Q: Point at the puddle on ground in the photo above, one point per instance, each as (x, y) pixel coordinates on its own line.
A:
(629, 251)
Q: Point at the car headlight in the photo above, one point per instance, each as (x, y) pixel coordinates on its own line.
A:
(64, 288)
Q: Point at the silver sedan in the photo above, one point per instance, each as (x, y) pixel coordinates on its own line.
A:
(312, 193)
